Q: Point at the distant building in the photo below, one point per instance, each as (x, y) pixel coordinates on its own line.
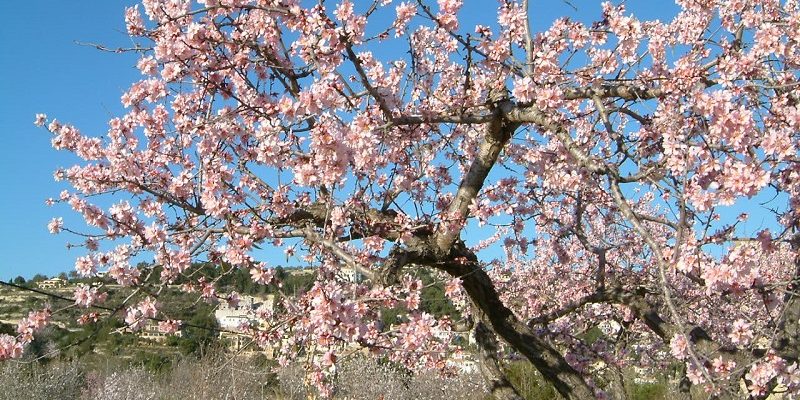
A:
(231, 318)
(464, 363)
(151, 332)
(53, 283)
(350, 275)
(346, 274)
(240, 342)
(299, 271)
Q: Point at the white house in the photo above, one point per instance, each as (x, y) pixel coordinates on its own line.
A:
(350, 275)
(231, 318)
(53, 283)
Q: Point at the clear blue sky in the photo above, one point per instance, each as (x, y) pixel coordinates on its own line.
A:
(45, 71)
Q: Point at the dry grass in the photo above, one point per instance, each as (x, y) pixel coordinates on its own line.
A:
(217, 376)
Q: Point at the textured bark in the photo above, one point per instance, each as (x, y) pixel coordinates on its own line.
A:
(616, 386)
(498, 133)
(787, 342)
(491, 367)
(445, 251)
(547, 360)
(488, 307)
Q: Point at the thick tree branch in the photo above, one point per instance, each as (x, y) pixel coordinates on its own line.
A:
(498, 133)
(460, 262)
(340, 253)
(787, 341)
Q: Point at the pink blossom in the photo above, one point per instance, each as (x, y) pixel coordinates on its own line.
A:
(447, 13)
(133, 21)
(262, 275)
(155, 234)
(86, 296)
(40, 119)
(761, 373)
(524, 90)
(55, 225)
(136, 317)
(452, 287)
(512, 18)
(413, 300)
(405, 11)
(723, 367)
(147, 65)
(85, 266)
(679, 346)
(765, 239)
(449, 6)
(88, 318)
(741, 332)
(233, 300)
(549, 97)
(124, 274)
(9, 347)
(148, 307)
(35, 321)
(54, 126)
(169, 326)
(694, 373)
(171, 71)
(329, 358)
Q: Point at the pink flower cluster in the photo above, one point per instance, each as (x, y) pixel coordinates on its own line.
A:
(13, 347)
(771, 367)
(136, 317)
(88, 318)
(10, 347)
(737, 272)
(86, 296)
(679, 346)
(55, 225)
(262, 275)
(35, 321)
(245, 135)
(169, 326)
(405, 11)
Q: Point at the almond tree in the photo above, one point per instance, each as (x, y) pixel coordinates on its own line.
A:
(587, 177)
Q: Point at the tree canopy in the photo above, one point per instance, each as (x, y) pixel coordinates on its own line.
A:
(591, 177)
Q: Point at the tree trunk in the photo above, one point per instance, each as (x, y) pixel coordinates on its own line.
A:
(491, 367)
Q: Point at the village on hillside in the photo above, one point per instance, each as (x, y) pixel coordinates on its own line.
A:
(229, 322)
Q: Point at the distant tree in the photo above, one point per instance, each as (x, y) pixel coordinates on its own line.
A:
(280, 273)
(202, 331)
(39, 278)
(200, 336)
(150, 361)
(295, 284)
(7, 329)
(243, 283)
(19, 280)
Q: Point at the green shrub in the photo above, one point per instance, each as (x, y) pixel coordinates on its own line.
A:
(648, 391)
(529, 382)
